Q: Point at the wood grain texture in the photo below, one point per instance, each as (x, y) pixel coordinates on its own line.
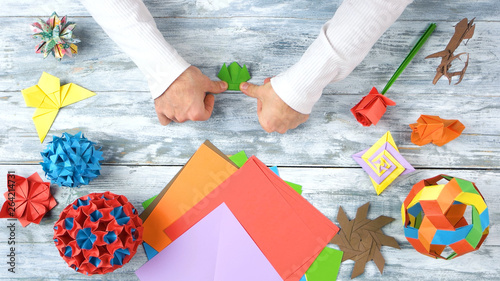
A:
(334, 133)
(325, 188)
(317, 9)
(126, 127)
(269, 36)
(264, 45)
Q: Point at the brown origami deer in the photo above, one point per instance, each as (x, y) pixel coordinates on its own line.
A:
(463, 30)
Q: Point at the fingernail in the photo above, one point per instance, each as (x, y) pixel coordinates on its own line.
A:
(223, 85)
(244, 86)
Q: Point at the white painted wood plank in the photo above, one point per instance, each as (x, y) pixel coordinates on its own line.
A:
(326, 189)
(315, 9)
(262, 45)
(121, 118)
(126, 127)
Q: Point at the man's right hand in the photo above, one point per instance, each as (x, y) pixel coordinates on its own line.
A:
(187, 98)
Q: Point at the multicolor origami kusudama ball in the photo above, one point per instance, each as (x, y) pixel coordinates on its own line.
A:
(71, 160)
(56, 35)
(98, 233)
(433, 217)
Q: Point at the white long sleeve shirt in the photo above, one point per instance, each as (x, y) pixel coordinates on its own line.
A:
(342, 44)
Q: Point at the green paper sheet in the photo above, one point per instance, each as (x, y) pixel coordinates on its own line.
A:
(326, 266)
(239, 158)
(234, 75)
(295, 187)
(146, 203)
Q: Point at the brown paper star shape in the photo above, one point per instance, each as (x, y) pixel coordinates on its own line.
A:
(361, 239)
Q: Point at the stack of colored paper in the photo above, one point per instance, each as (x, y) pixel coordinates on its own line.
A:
(214, 221)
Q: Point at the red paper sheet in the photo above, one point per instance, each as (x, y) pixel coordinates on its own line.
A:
(287, 228)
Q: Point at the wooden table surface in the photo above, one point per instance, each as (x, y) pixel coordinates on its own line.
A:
(268, 36)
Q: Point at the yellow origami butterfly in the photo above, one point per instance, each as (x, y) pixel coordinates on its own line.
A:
(47, 97)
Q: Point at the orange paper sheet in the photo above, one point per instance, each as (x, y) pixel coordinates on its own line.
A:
(206, 170)
(288, 230)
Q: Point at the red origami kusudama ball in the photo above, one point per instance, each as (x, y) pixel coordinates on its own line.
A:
(98, 233)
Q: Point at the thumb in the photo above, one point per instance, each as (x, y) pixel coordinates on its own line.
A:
(209, 105)
(216, 87)
(250, 90)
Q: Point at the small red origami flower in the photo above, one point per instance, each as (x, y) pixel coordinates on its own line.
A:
(371, 108)
(28, 200)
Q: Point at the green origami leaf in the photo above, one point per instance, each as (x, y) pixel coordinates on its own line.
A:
(234, 75)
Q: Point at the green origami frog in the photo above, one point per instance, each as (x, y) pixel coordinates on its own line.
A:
(234, 75)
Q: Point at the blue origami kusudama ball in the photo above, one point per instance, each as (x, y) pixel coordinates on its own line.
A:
(71, 160)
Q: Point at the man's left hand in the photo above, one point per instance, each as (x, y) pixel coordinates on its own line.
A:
(274, 114)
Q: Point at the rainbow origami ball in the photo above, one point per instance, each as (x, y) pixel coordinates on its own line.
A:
(98, 233)
(433, 217)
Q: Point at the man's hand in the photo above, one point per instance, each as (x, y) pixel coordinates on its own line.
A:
(187, 98)
(274, 114)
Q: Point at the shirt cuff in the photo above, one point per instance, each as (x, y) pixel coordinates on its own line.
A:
(301, 86)
(162, 77)
(342, 44)
(132, 27)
